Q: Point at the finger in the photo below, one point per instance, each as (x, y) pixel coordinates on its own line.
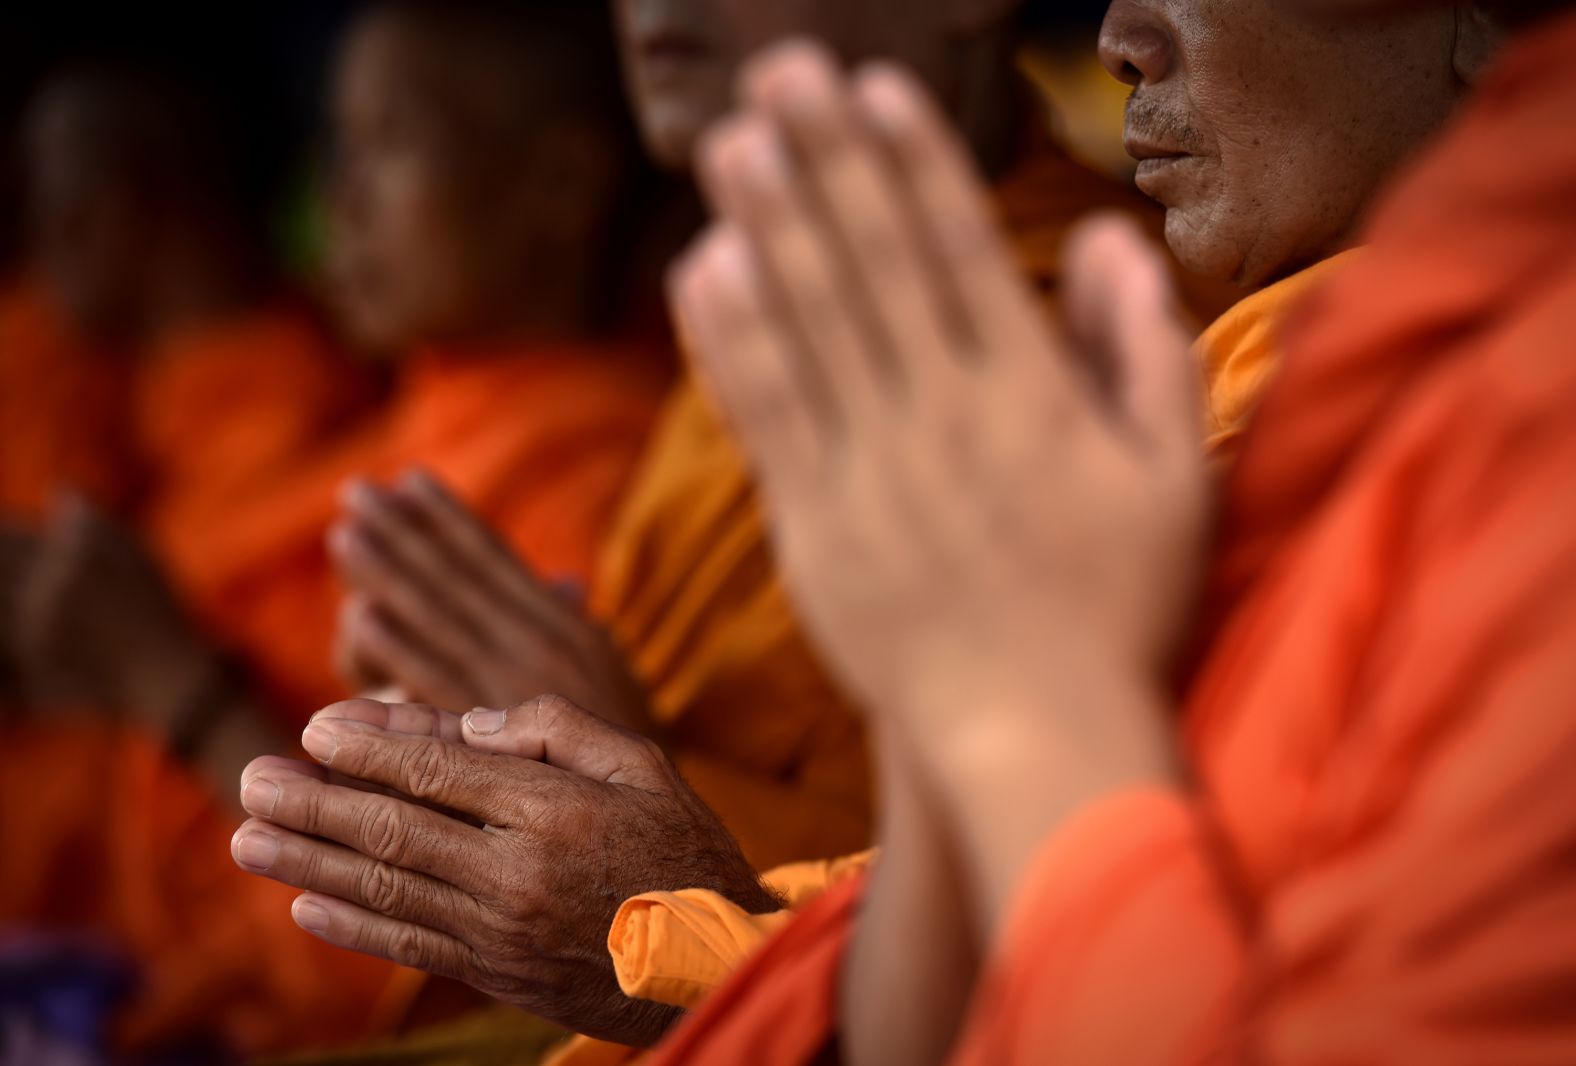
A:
(866, 205)
(746, 170)
(321, 866)
(475, 546)
(408, 944)
(429, 770)
(387, 650)
(954, 215)
(358, 674)
(553, 730)
(394, 565)
(1121, 304)
(742, 361)
(416, 719)
(377, 825)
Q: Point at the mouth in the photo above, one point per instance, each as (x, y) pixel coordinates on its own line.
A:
(1156, 160)
(665, 53)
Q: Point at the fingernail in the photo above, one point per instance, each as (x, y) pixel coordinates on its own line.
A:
(320, 742)
(260, 796)
(309, 916)
(257, 851)
(484, 723)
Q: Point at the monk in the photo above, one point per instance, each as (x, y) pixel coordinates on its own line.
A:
(706, 926)
(480, 174)
(1350, 837)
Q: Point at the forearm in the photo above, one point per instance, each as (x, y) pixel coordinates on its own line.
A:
(909, 968)
(1013, 771)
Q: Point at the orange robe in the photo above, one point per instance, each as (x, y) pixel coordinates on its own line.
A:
(688, 588)
(539, 441)
(1378, 859)
(63, 412)
(678, 947)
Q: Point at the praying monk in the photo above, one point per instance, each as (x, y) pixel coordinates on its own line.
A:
(673, 947)
(480, 173)
(1352, 835)
(415, 918)
(688, 637)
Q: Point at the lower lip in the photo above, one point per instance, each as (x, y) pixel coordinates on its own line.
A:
(1154, 172)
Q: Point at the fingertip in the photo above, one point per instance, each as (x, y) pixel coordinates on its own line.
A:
(358, 709)
(889, 98)
(485, 721)
(310, 914)
(793, 73)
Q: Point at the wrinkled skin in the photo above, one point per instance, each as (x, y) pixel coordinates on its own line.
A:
(440, 607)
(1265, 130)
(494, 851)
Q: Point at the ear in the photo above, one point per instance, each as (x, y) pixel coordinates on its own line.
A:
(1478, 37)
(972, 16)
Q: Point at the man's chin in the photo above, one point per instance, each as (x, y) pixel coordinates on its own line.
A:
(1198, 247)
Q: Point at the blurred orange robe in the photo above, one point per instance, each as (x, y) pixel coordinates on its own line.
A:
(1379, 858)
(688, 588)
(539, 440)
(246, 422)
(63, 412)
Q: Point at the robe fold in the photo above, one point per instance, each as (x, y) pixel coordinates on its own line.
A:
(1378, 858)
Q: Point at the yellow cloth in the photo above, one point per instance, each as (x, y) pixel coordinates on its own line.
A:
(1241, 350)
(675, 947)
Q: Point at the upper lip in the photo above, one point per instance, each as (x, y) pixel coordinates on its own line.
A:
(670, 42)
(1141, 148)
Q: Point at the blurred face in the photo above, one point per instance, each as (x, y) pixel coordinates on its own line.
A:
(412, 255)
(1263, 129)
(89, 237)
(681, 56)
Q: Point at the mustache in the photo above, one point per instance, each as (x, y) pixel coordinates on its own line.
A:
(1150, 121)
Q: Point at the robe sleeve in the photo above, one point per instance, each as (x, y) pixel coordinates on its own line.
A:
(1429, 912)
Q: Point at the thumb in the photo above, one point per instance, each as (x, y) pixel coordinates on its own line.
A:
(1122, 307)
(553, 730)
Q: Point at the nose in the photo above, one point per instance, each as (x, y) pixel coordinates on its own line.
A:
(1135, 46)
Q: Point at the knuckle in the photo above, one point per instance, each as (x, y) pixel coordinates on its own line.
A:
(383, 834)
(381, 889)
(426, 770)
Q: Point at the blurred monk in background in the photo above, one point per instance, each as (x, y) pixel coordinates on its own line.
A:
(480, 202)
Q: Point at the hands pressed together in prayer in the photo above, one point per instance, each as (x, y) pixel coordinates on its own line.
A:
(92, 622)
(492, 849)
(991, 523)
(444, 610)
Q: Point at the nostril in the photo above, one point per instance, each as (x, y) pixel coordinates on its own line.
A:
(1130, 75)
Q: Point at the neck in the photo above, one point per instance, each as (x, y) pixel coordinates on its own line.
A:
(195, 285)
